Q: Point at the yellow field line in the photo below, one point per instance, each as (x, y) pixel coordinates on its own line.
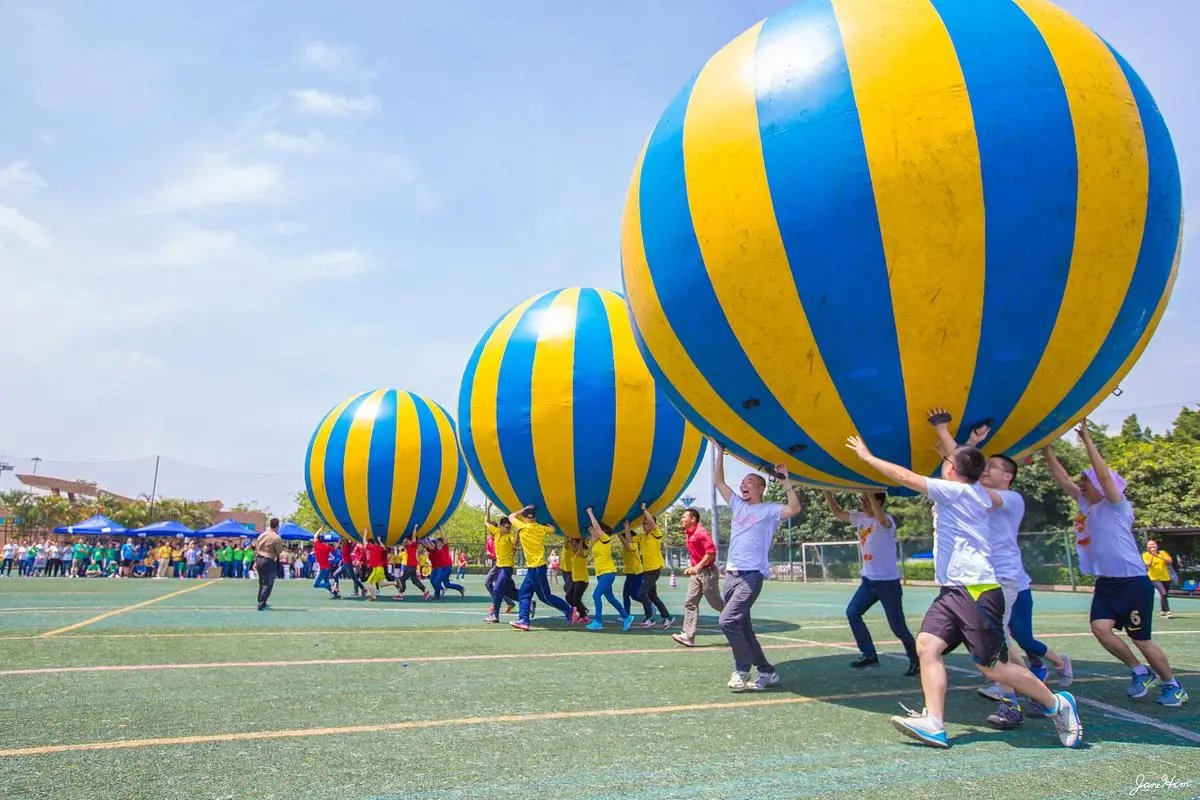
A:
(122, 610)
(298, 733)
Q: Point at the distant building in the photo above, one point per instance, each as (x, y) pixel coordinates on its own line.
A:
(72, 489)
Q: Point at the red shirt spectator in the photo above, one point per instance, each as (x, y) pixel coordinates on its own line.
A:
(490, 547)
(462, 558)
(321, 552)
(699, 543)
(376, 555)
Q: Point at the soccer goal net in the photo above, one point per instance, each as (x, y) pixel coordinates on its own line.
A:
(829, 561)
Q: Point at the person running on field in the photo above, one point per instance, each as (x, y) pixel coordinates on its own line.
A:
(579, 579)
(752, 528)
(1004, 523)
(703, 578)
(411, 570)
(323, 551)
(880, 579)
(652, 567)
(970, 606)
(606, 575)
(1123, 596)
(533, 545)
(495, 579)
(267, 548)
(631, 562)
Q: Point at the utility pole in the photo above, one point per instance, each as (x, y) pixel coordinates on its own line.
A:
(153, 489)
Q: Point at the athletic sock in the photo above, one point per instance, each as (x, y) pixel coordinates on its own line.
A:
(1054, 708)
(1141, 669)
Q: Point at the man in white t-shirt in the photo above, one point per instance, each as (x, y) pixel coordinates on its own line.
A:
(970, 607)
(10, 555)
(1004, 523)
(1123, 596)
(751, 530)
(876, 532)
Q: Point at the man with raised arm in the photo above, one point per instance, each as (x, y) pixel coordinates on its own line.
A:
(753, 526)
(970, 606)
(876, 533)
(1123, 596)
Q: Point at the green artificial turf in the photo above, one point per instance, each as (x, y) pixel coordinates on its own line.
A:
(734, 746)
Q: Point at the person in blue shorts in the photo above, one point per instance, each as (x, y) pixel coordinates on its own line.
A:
(1123, 596)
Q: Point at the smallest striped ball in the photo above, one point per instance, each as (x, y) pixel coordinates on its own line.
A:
(387, 461)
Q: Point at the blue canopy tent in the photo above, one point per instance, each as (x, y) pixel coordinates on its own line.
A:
(98, 525)
(167, 528)
(227, 529)
(291, 532)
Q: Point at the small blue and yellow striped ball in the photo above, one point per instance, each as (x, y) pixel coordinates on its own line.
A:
(559, 410)
(388, 461)
(860, 209)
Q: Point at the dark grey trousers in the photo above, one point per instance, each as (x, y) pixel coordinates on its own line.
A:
(740, 593)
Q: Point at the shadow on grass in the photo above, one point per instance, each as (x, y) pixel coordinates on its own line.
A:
(880, 690)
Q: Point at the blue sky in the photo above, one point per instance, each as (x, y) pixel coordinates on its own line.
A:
(217, 220)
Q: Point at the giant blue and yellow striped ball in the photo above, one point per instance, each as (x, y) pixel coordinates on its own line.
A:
(860, 209)
(559, 410)
(387, 461)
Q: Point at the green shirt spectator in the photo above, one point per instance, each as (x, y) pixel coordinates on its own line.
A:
(248, 554)
(82, 551)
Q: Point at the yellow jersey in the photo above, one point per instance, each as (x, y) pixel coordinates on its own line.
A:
(163, 552)
(632, 555)
(1157, 566)
(652, 555)
(602, 557)
(579, 565)
(506, 546)
(566, 560)
(533, 542)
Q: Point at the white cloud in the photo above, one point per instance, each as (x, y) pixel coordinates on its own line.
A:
(314, 101)
(333, 265)
(326, 55)
(19, 176)
(215, 181)
(336, 58)
(199, 247)
(18, 229)
(309, 143)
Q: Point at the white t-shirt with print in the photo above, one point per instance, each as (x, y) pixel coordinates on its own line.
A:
(962, 552)
(1104, 540)
(750, 533)
(10, 550)
(1004, 523)
(877, 545)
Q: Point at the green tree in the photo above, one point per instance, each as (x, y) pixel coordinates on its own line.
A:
(1187, 425)
(305, 515)
(1132, 430)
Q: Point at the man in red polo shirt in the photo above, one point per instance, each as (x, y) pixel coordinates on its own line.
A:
(703, 576)
(323, 553)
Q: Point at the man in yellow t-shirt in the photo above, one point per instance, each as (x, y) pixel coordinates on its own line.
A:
(163, 555)
(652, 567)
(499, 581)
(1158, 568)
(631, 560)
(533, 544)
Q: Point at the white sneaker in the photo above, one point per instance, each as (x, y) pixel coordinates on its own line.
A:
(922, 727)
(991, 691)
(1066, 720)
(737, 681)
(764, 681)
(1066, 675)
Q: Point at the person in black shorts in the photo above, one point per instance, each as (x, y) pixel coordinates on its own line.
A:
(969, 610)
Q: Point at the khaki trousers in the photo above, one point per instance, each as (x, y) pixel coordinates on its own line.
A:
(706, 582)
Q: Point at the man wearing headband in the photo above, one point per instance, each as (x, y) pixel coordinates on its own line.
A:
(1123, 596)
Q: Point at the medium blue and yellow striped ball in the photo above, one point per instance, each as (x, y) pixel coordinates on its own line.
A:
(859, 209)
(386, 460)
(559, 410)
